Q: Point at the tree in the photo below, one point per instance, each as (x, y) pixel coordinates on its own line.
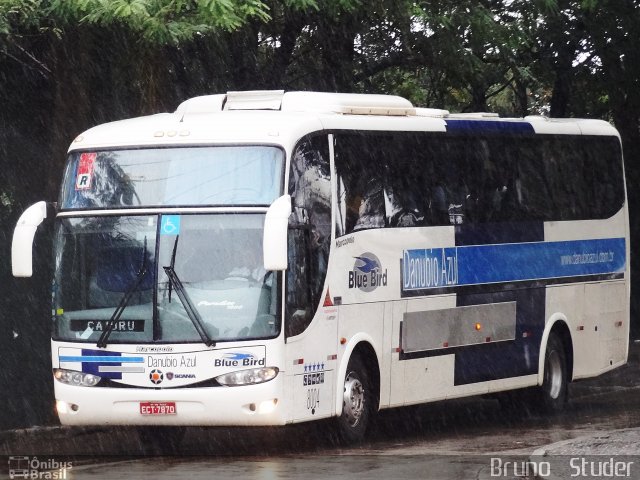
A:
(66, 65)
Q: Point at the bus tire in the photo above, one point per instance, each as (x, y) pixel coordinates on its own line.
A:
(357, 403)
(553, 392)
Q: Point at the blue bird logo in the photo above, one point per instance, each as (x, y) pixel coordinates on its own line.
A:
(237, 356)
(369, 265)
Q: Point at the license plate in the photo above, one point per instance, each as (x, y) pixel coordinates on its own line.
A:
(157, 408)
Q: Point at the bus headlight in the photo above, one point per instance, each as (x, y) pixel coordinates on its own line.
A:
(75, 378)
(248, 377)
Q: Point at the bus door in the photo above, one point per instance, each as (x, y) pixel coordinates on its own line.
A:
(310, 325)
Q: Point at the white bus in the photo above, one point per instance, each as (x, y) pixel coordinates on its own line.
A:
(267, 258)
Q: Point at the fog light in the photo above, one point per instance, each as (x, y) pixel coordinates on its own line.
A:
(65, 408)
(268, 406)
(61, 407)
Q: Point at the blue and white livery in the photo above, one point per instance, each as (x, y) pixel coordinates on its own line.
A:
(265, 258)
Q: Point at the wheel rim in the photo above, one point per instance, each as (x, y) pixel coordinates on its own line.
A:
(555, 373)
(353, 400)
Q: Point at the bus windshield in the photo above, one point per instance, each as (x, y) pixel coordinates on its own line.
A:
(161, 271)
(187, 176)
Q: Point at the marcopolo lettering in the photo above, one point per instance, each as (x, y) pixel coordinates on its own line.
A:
(367, 273)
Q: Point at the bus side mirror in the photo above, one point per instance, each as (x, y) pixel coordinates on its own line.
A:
(274, 243)
(22, 245)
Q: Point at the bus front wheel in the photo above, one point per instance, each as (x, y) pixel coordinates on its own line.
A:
(357, 403)
(553, 392)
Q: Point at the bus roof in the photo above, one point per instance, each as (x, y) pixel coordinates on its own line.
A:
(276, 117)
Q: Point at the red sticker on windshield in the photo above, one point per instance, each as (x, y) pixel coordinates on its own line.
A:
(85, 171)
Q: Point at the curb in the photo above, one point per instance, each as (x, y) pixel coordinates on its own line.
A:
(598, 455)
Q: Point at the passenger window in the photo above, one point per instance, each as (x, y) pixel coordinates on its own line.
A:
(361, 196)
(407, 168)
(606, 177)
(413, 179)
(454, 194)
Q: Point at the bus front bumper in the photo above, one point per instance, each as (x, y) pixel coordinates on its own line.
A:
(250, 405)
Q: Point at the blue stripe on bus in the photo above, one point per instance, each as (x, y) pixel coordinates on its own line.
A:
(442, 268)
(110, 358)
(95, 359)
(498, 360)
(92, 360)
(493, 361)
(488, 126)
(484, 270)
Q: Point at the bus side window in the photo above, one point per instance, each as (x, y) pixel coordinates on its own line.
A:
(453, 180)
(530, 198)
(401, 208)
(605, 177)
(405, 188)
(359, 167)
(371, 207)
(309, 231)
(496, 181)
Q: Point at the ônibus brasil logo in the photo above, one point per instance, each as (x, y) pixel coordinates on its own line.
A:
(367, 273)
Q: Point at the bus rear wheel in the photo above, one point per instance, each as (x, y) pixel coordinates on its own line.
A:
(553, 392)
(357, 403)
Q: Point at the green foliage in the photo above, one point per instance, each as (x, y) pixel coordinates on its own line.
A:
(302, 5)
(446, 50)
(155, 21)
(19, 12)
(162, 21)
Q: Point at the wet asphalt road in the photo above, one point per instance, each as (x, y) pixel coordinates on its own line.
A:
(446, 440)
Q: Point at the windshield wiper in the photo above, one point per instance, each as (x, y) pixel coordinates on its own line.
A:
(117, 313)
(190, 309)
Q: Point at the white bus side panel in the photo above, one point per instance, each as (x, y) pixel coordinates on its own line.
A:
(312, 359)
(363, 322)
(429, 378)
(597, 313)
